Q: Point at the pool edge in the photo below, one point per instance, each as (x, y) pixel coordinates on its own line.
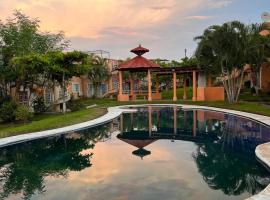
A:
(262, 151)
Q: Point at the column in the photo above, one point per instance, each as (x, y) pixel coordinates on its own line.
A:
(131, 121)
(121, 123)
(131, 86)
(194, 123)
(120, 83)
(150, 120)
(157, 84)
(174, 120)
(174, 87)
(149, 86)
(194, 98)
(185, 89)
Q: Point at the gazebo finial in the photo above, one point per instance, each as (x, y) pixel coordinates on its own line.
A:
(139, 50)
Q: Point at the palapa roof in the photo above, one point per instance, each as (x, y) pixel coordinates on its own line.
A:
(141, 153)
(138, 63)
(138, 143)
(139, 50)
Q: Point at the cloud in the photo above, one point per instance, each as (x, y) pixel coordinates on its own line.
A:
(198, 17)
(117, 25)
(219, 4)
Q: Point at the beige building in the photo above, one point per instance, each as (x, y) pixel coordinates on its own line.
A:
(79, 87)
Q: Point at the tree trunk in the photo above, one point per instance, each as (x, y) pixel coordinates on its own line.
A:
(64, 94)
(95, 86)
(232, 84)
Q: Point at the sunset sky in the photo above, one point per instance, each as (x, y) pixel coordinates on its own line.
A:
(166, 27)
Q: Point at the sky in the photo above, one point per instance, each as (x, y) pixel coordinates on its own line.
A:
(166, 27)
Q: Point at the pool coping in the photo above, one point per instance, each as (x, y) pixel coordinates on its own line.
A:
(262, 151)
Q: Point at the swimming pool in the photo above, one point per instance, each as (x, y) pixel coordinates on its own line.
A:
(155, 153)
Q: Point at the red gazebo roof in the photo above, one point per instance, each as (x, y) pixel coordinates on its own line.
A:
(138, 143)
(139, 62)
(139, 50)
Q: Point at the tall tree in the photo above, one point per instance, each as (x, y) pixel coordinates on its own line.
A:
(30, 72)
(258, 52)
(223, 51)
(20, 36)
(62, 66)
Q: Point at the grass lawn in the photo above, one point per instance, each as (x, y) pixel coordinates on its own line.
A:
(50, 121)
(179, 92)
(241, 106)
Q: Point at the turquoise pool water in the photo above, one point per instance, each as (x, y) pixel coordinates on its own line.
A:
(155, 153)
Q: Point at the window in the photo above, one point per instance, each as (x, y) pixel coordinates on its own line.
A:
(90, 90)
(23, 97)
(48, 96)
(104, 88)
(75, 88)
(114, 66)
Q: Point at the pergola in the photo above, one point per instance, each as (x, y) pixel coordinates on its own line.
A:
(141, 64)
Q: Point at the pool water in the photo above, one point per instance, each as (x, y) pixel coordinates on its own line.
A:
(155, 153)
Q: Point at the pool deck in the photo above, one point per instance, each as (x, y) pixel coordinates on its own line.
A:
(262, 151)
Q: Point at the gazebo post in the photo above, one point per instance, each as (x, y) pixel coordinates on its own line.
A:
(149, 86)
(174, 119)
(174, 86)
(121, 123)
(120, 84)
(157, 84)
(131, 86)
(194, 98)
(138, 64)
(185, 89)
(150, 120)
(194, 123)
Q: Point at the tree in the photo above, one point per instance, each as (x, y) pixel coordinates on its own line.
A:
(20, 36)
(62, 66)
(98, 71)
(258, 52)
(30, 72)
(24, 167)
(223, 51)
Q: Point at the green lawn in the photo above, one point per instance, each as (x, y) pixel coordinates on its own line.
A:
(180, 91)
(262, 97)
(251, 107)
(50, 121)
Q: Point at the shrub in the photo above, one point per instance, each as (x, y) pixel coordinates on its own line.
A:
(7, 111)
(23, 114)
(39, 105)
(74, 105)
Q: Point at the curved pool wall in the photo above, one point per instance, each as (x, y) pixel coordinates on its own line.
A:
(262, 151)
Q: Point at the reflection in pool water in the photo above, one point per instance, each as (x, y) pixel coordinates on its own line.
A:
(156, 153)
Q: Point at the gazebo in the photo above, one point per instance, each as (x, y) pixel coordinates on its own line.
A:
(136, 64)
(141, 64)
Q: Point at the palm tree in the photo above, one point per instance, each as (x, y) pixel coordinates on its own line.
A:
(98, 72)
(222, 50)
(258, 52)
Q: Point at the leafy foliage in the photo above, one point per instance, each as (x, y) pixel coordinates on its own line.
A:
(21, 47)
(23, 114)
(97, 72)
(39, 105)
(224, 50)
(20, 36)
(25, 167)
(7, 111)
(74, 105)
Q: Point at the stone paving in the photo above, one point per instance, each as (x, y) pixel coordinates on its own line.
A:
(262, 151)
